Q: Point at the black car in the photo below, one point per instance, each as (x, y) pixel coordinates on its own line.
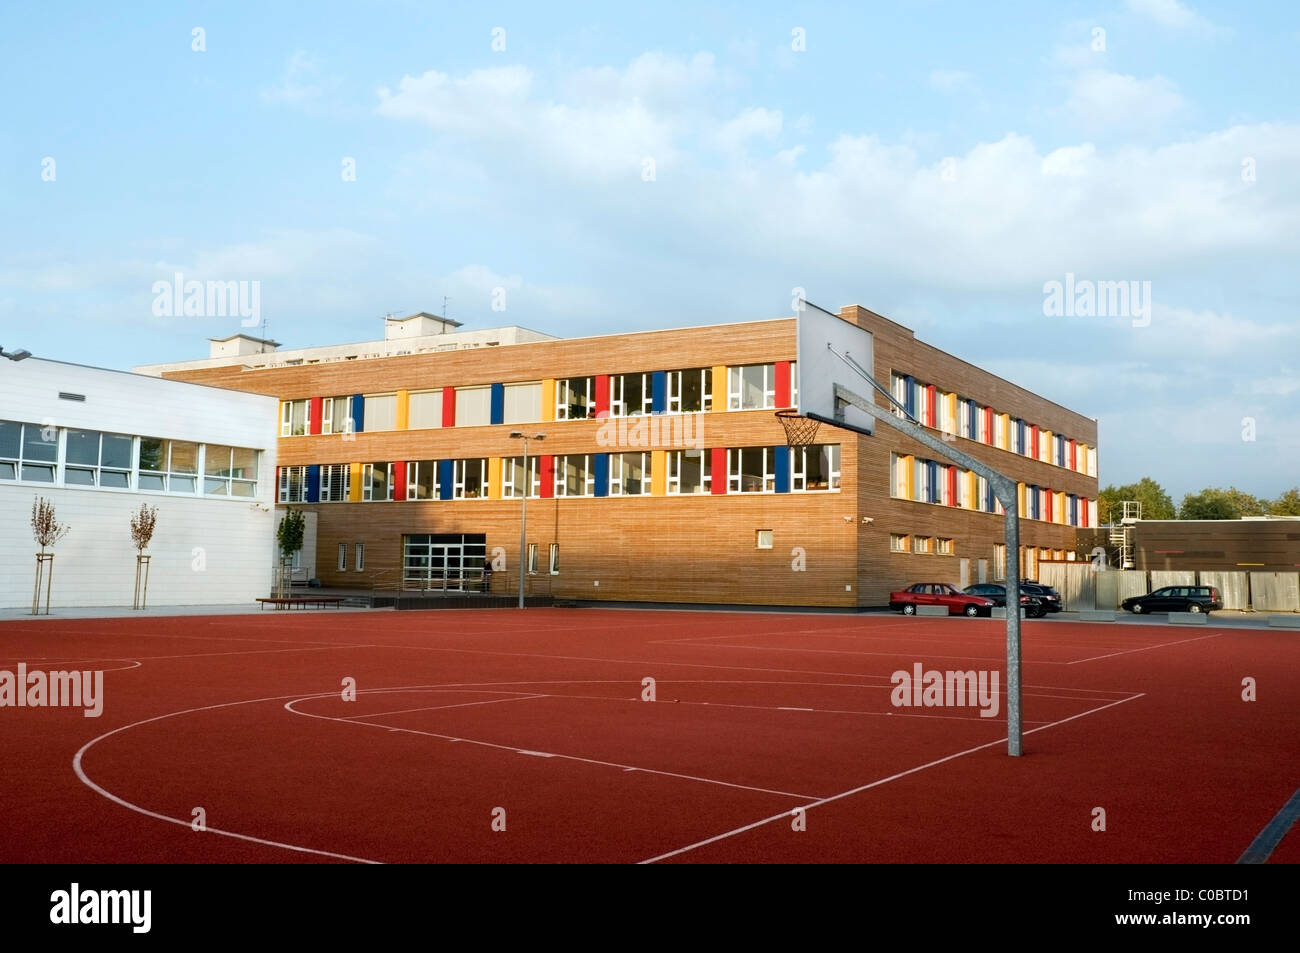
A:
(1175, 599)
(1032, 605)
(1050, 598)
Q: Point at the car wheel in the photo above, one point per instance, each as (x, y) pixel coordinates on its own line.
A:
(1137, 608)
(1194, 607)
(909, 609)
(972, 610)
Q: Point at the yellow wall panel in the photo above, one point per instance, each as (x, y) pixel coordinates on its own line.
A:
(548, 399)
(720, 387)
(354, 490)
(494, 478)
(403, 409)
(658, 472)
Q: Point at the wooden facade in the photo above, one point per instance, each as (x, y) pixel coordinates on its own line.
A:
(827, 548)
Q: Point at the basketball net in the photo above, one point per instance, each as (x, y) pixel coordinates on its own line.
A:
(799, 431)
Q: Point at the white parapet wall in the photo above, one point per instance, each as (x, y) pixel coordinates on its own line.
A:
(208, 548)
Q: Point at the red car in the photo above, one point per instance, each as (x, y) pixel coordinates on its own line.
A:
(939, 594)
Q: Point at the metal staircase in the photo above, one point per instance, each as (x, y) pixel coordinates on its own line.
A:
(1121, 533)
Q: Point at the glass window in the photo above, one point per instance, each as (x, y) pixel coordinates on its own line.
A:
(630, 395)
(764, 539)
(470, 479)
(83, 448)
(574, 476)
(36, 446)
(575, 398)
(473, 406)
(376, 482)
(532, 557)
(629, 474)
(293, 484)
(815, 468)
(752, 387)
(343, 557)
(293, 418)
(381, 412)
(750, 470)
(422, 480)
(555, 558)
(424, 411)
(899, 543)
(361, 556)
(690, 391)
(10, 439)
(512, 477)
(523, 403)
(689, 471)
(335, 482)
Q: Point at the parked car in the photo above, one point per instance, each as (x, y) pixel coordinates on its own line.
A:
(1175, 599)
(1032, 605)
(1050, 598)
(939, 594)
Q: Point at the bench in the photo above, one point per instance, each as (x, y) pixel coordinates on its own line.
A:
(932, 610)
(301, 602)
(1188, 618)
(1284, 621)
(1096, 615)
(1000, 612)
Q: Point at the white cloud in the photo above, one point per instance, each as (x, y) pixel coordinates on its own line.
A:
(302, 83)
(752, 123)
(950, 80)
(1114, 102)
(1172, 14)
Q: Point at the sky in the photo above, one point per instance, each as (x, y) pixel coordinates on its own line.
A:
(602, 168)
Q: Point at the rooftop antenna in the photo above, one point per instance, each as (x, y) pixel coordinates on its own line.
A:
(262, 347)
(445, 299)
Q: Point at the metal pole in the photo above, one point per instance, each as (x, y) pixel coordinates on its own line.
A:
(523, 525)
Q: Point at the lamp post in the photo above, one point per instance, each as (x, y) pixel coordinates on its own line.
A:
(523, 510)
(18, 355)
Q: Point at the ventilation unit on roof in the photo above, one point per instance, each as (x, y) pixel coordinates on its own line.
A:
(64, 395)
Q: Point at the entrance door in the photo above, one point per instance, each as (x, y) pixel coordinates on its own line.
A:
(447, 561)
(964, 574)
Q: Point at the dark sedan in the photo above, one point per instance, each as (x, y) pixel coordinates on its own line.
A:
(1032, 605)
(1050, 598)
(1175, 599)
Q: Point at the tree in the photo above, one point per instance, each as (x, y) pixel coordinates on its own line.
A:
(1210, 504)
(289, 535)
(1156, 503)
(1288, 504)
(142, 527)
(47, 531)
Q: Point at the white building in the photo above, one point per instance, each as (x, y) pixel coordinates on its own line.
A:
(99, 443)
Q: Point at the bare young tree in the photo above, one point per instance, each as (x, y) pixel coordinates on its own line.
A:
(45, 528)
(142, 526)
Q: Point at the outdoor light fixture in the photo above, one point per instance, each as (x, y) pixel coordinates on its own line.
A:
(523, 509)
(18, 355)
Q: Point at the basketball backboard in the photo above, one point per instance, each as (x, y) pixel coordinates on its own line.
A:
(825, 340)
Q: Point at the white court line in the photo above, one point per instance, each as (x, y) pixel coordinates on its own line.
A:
(866, 787)
(500, 747)
(494, 701)
(187, 822)
(1146, 648)
(72, 658)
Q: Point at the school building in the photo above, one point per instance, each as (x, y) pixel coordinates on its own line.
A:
(661, 473)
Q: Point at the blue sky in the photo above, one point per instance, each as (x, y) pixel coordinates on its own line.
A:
(936, 162)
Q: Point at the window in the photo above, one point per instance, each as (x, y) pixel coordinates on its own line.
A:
(555, 559)
(922, 544)
(945, 546)
(751, 470)
(763, 539)
(999, 560)
(376, 482)
(168, 465)
(343, 557)
(574, 475)
(469, 479)
(381, 412)
(336, 415)
(523, 403)
(293, 418)
(689, 471)
(98, 459)
(335, 482)
(575, 398)
(690, 391)
(26, 454)
(629, 474)
(424, 410)
(532, 557)
(229, 471)
(361, 556)
(293, 484)
(630, 395)
(422, 480)
(751, 387)
(815, 468)
(898, 390)
(900, 543)
(512, 477)
(473, 406)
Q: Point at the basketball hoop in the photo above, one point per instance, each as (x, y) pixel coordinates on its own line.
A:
(799, 431)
